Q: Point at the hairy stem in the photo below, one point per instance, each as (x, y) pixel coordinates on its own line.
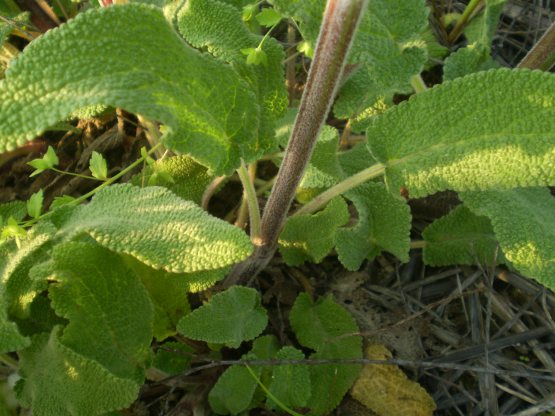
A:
(339, 24)
(542, 55)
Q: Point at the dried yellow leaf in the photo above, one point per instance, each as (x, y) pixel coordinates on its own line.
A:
(386, 390)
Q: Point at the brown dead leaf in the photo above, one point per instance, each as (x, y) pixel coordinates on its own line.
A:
(387, 391)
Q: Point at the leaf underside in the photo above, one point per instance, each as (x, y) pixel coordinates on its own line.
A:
(523, 221)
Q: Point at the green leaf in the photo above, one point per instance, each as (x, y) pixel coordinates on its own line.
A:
(248, 11)
(473, 58)
(61, 201)
(159, 229)
(388, 47)
(11, 339)
(268, 17)
(15, 209)
(98, 166)
(329, 329)
(384, 223)
(487, 117)
(173, 84)
(482, 28)
(255, 56)
(34, 204)
(59, 381)
(229, 317)
(168, 293)
(12, 229)
(17, 261)
(523, 223)
(173, 357)
(219, 28)
(290, 383)
(234, 390)
(180, 174)
(109, 311)
(323, 169)
(311, 236)
(49, 160)
(461, 237)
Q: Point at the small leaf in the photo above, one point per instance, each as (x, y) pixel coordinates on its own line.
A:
(248, 11)
(311, 236)
(460, 237)
(229, 317)
(384, 223)
(50, 157)
(173, 357)
(290, 382)
(61, 200)
(329, 329)
(12, 229)
(268, 17)
(98, 166)
(34, 204)
(49, 160)
(306, 48)
(234, 390)
(255, 56)
(396, 395)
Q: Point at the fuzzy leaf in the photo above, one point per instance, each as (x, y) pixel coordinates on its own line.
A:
(290, 383)
(168, 293)
(311, 236)
(329, 329)
(109, 311)
(356, 159)
(229, 317)
(159, 229)
(98, 166)
(482, 28)
(58, 381)
(15, 209)
(180, 174)
(323, 169)
(234, 390)
(20, 288)
(477, 55)
(384, 223)
(473, 58)
(386, 391)
(173, 358)
(176, 85)
(523, 223)
(486, 117)
(11, 339)
(219, 27)
(460, 237)
(388, 46)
